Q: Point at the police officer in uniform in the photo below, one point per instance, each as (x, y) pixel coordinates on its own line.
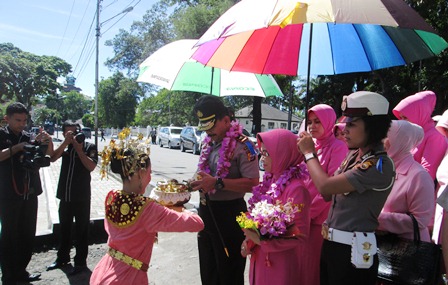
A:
(358, 191)
(79, 158)
(19, 187)
(228, 168)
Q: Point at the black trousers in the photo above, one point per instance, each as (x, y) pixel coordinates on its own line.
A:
(336, 267)
(18, 227)
(80, 210)
(216, 268)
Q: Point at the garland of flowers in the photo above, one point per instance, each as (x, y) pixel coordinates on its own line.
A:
(225, 152)
(269, 191)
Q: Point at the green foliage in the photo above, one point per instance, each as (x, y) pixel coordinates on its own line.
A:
(168, 107)
(67, 106)
(88, 120)
(145, 37)
(41, 114)
(117, 101)
(24, 75)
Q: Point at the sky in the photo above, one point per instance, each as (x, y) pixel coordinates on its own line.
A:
(61, 28)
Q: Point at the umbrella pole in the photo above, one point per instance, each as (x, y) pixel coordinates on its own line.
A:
(307, 98)
(211, 84)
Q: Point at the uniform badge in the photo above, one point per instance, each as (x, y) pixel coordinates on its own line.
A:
(366, 245)
(199, 114)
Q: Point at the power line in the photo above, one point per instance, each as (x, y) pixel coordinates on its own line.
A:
(77, 30)
(66, 26)
(86, 42)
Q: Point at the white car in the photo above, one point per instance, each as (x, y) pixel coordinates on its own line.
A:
(169, 136)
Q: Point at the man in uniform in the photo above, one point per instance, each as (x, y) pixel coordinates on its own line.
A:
(20, 185)
(227, 170)
(79, 158)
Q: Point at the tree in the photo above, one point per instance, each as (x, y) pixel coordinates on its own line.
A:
(117, 101)
(23, 75)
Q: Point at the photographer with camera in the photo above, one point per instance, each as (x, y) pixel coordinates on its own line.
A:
(19, 187)
(79, 158)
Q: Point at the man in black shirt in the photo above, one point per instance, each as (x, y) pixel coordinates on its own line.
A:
(19, 187)
(79, 158)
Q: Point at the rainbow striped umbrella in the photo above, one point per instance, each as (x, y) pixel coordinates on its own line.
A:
(317, 37)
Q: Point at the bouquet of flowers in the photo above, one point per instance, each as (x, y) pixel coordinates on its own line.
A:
(271, 220)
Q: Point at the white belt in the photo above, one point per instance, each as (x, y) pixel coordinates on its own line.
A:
(340, 236)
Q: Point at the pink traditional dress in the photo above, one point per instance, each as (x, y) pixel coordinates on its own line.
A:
(276, 260)
(330, 152)
(132, 222)
(413, 185)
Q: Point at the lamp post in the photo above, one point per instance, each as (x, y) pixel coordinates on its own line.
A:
(98, 34)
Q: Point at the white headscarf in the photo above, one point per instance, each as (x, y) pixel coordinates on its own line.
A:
(403, 137)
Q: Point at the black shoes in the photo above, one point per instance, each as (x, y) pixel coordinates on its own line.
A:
(31, 277)
(56, 265)
(77, 270)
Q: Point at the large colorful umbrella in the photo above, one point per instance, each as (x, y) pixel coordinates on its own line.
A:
(340, 36)
(317, 37)
(171, 67)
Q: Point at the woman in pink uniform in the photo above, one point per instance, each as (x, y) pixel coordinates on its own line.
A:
(132, 220)
(276, 261)
(418, 109)
(413, 187)
(330, 152)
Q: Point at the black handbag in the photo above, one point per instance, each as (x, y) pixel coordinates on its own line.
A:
(404, 261)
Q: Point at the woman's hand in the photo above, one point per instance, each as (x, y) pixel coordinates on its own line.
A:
(245, 248)
(305, 143)
(252, 235)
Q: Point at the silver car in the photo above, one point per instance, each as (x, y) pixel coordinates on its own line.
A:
(190, 138)
(169, 136)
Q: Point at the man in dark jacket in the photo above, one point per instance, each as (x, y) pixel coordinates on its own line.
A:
(79, 158)
(19, 187)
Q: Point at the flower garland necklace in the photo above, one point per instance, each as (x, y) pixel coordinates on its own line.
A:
(269, 191)
(225, 152)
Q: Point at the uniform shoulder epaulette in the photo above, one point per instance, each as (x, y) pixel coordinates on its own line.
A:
(372, 160)
(123, 209)
(248, 147)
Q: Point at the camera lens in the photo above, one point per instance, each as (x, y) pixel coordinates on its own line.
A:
(80, 138)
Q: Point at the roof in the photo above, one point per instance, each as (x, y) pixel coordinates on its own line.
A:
(267, 113)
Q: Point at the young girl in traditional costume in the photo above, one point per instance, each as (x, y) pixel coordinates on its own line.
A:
(132, 220)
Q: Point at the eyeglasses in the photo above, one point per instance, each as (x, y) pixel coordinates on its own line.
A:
(264, 153)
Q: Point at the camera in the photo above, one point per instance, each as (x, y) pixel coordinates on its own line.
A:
(79, 136)
(34, 156)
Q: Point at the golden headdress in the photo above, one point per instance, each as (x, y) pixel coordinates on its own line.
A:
(132, 154)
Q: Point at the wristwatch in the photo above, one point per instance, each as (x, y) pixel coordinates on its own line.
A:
(219, 185)
(309, 156)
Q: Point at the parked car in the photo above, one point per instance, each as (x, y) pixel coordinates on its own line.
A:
(169, 136)
(190, 138)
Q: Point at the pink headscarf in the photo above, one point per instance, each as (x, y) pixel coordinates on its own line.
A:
(418, 109)
(281, 145)
(403, 137)
(327, 118)
(330, 150)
